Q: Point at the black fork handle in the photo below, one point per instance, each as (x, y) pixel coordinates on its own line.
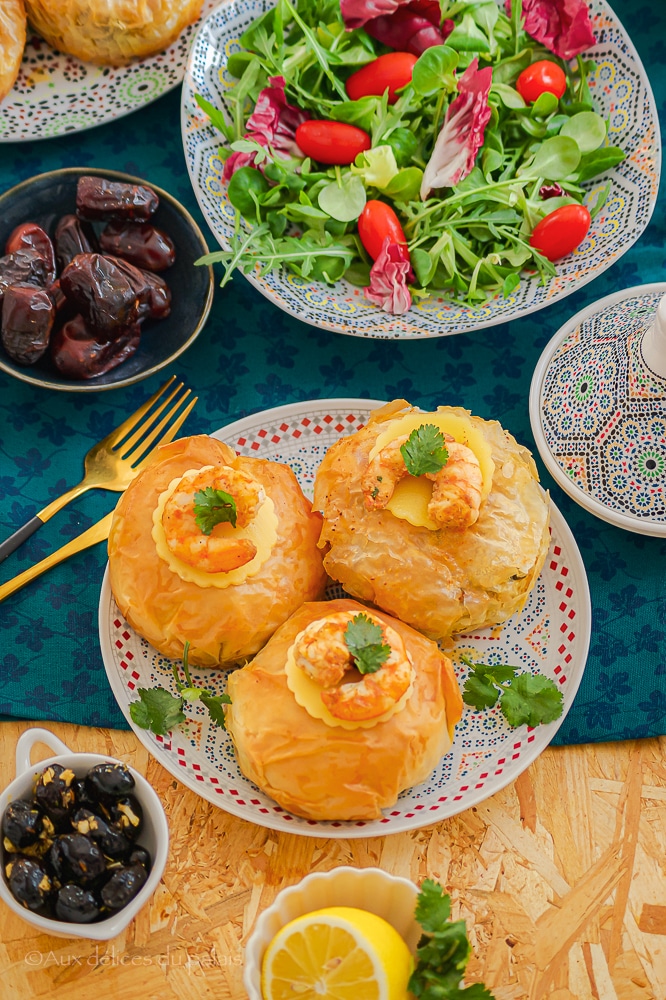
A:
(20, 535)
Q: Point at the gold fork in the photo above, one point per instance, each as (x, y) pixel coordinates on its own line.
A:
(113, 463)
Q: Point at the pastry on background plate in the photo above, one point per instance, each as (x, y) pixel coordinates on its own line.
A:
(12, 42)
(111, 32)
(213, 549)
(341, 710)
(438, 518)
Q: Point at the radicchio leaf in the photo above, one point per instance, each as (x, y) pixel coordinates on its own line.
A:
(388, 279)
(406, 25)
(461, 135)
(272, 123)
(563, 26)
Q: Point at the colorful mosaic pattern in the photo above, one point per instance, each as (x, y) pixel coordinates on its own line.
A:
(551, 635)
(603, 412)
(622, 93)
(56, 93)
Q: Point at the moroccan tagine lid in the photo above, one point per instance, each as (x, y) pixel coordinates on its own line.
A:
(598, 408)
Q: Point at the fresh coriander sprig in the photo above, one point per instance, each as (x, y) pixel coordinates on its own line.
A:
(424, 450)
(364, 640)
(160, 711)
(213, 507)
(443, 950)
(524, 698)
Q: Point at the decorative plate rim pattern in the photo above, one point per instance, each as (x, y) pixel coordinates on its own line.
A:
(342, 309)
(484, 767)
(51, 84)
(594, 506)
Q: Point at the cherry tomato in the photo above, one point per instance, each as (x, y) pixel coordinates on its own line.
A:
(543, 77)
(375, 223)
(389, 72)
(561, 232)
(331, 142)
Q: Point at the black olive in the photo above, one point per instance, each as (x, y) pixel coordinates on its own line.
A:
(110, 839)
(140, 856)
(21, 825)
(54, 793)
(76, 904)
(75, 858)
(29, 883)
(83, 797)
(123, 886)
(106, 782)
(127, 815)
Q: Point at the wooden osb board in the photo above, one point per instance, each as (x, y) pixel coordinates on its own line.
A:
(561, 878)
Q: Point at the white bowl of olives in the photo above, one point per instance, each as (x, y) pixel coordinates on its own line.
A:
(84, 841)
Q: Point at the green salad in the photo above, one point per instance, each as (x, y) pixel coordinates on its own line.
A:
(433, 147)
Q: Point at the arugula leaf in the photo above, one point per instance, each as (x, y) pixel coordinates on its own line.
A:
(213, 507)
(363, 639)
(157, 710)
(524, 698)
(424, 450)
(443, 950)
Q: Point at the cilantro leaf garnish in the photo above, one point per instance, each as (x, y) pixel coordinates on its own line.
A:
(364, 640)
(160, 711)
(443, 950)
(212, 507)
(424, 450)
(524, 698)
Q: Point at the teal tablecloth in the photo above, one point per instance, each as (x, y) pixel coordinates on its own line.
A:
(249, 357)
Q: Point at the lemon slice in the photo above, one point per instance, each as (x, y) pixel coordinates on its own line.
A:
(338, 953)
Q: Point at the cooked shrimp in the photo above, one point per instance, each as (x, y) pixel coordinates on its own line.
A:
(383, 474)
(456, 494)
(321, 651)
(323, 654)
(222, 550)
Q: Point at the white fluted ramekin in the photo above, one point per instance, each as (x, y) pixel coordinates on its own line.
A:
(154, 836)
(389, 896)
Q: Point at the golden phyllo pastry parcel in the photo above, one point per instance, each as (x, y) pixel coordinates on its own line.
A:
(438, 518)
(343, 709)
(213, 549)
(111, 32)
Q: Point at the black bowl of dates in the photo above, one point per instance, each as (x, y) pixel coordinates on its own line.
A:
(98, 286)
(84, 841)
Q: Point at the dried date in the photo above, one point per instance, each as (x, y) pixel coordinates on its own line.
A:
(140, 243)
(23, 267)
(104, 291)
(72, 237)
(98, 198)
(27, 320)
(79, 352)
(30, 236)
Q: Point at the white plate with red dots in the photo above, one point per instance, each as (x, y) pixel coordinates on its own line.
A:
(550, 635)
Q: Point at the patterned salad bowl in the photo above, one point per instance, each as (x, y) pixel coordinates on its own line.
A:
(622, 96)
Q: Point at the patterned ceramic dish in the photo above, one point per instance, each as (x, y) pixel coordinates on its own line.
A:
(623, 95)
(55, 94)
(551, 635)
(598, 412)
(388, 896)
(44, 199)
(154, 836)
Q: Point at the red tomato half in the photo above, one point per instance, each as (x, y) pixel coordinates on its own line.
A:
(331, 142)
(389, 72)
(561, 232)
(375, 223)
(543, 77)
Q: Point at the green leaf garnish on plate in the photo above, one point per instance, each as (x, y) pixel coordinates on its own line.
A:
(424, 450)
